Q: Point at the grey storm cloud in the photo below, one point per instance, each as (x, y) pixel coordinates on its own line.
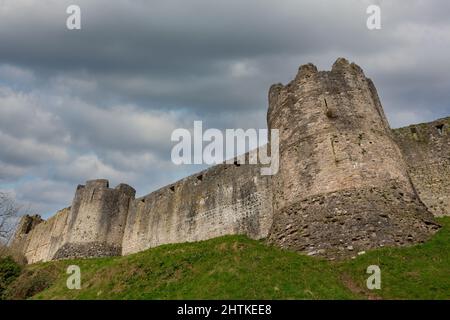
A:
(101, 102)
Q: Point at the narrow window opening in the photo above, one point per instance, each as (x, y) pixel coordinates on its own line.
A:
(172, 188)
(414, 133)
(28, 228)
(329, 112)
(440, 129)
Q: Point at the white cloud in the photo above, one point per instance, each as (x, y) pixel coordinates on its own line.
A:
(29, 151)
(242, 69)
(23, 115)
(10, 172)
(89, 166)
(16, 74)
(43, 196)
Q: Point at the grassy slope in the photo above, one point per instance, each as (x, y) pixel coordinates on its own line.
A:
(234, 267)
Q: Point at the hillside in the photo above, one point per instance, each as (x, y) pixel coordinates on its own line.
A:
(235, 267)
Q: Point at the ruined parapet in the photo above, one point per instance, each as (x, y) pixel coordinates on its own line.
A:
(27, 224)
(342, 185)
(96, 221)
(24, 228)
(47, 237)
(38, 239)
(426, 148)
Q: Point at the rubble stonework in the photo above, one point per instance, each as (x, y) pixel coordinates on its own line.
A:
(346, 183)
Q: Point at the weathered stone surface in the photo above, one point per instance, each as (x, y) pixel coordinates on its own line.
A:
(99, 213)
(347, 183)
(426, 148)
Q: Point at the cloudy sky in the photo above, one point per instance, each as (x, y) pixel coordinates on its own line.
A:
(102, 102)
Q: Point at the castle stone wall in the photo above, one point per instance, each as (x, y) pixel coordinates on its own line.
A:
(346, 183)
(426, 148)
(226, 199)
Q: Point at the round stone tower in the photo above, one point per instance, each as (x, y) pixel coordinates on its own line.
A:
(343, 185)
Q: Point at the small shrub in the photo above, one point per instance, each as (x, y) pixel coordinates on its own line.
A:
(30, 282)
(9, 271)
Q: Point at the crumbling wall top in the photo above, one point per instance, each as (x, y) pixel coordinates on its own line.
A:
(306, 71)
(98, 183)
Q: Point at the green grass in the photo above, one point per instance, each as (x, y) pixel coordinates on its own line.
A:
(235, 267)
